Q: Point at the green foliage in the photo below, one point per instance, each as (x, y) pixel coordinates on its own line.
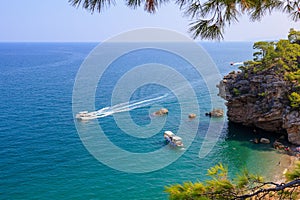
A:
(243, 68)
(246, 179)
(265, 51)
(218, 171)
(236, 92)
(244, 186)
(294, 100)
(209, 18)
(295, 173)
(294, 36)
(293, 76)
(262, 94)
(287, 55)
(258, 69)
(250, 65)
(217, 187)
(283, 57)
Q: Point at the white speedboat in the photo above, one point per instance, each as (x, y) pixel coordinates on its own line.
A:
(85, 115)
(173, 139)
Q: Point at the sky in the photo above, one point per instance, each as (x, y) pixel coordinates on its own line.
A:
(57, 21)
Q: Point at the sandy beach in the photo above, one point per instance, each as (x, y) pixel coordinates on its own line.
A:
(285, 163)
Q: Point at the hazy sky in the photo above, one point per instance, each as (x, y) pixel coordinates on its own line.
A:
(57, 21)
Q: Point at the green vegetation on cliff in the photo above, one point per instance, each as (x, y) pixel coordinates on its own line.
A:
(295, 99)
(284, 54)
(284, 58)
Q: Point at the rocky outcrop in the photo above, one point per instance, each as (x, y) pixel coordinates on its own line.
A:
(291, 122)
(260, 100)
(192, 115)
(215, 113)
(264, 140)
(162, 111)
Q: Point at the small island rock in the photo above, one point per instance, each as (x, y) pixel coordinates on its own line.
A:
(264, 141)
(215, 113)
(162, 111)
(192, 115)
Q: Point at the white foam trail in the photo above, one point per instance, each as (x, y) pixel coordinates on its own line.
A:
(238, 63)
(123, 107)
(126, 106)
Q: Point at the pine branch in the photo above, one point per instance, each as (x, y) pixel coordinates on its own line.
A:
(279, 187)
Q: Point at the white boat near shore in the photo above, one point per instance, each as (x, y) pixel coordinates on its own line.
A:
(173, 139)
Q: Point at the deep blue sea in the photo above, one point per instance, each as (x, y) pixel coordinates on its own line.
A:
(42, 156)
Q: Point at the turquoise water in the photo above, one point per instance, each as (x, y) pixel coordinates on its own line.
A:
(42, 156)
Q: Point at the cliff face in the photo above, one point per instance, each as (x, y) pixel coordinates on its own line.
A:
(260, 100)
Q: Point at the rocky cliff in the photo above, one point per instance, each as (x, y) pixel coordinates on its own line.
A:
(260, 99)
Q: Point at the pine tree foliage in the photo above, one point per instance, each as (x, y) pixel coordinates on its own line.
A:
(295, 173)
(208, 18)
(244, 186)
(283, 57)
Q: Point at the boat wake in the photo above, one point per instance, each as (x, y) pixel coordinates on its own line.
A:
(122, 107)
(236, 63)
(128, 106)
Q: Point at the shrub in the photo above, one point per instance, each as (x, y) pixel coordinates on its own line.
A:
(294, 100)
(236, 92)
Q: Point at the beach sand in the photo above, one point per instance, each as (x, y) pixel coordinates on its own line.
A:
(285, 163)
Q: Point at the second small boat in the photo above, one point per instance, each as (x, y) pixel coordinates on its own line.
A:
(173, 139)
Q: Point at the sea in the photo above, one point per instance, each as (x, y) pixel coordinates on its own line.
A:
(45, 152)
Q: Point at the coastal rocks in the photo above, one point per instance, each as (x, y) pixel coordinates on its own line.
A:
(291, 123)
(255, 141)
(261, 140)
(264, 141)
(215, 113)
(192, 115)
(260, 99)
(162, 111)
(278, 145)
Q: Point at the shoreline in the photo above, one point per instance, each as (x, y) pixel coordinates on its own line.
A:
(286, 162)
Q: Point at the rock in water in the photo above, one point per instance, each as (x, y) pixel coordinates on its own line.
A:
(264, 141)
(215, 113)
(192, 115)
(162, 111)
(255, 141)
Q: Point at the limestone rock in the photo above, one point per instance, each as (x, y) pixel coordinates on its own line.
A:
(192, 115)
(162, 111)
(264, 140)
(216, 113)
(278, 145)
(260, 99)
